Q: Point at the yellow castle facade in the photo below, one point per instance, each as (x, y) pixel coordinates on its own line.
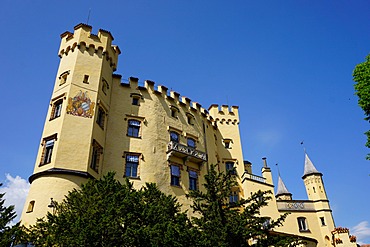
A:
(96, 123)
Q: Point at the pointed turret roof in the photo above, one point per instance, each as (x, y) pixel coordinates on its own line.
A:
(281, 188)
(309, 168)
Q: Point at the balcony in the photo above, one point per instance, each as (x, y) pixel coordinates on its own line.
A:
(249, 176)
(185, 152)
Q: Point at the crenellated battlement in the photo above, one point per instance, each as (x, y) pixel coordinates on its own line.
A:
(224, 115)
(96, 44)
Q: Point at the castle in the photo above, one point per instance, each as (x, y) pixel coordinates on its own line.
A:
(96, 123)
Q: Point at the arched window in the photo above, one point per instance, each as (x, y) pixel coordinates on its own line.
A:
(302, 224)
(191, 143)
(174, 137)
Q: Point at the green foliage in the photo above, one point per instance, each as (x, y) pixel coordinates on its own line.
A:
(233, 224)
(7, 214)
(107, 213)
(361, 75)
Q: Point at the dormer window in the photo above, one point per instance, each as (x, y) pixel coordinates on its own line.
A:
(190, 118)
(227, 143)
(174, 111)
(135, 98)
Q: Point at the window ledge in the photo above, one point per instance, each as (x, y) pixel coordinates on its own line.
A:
(134, 178)
(176, 186)
(137, 137)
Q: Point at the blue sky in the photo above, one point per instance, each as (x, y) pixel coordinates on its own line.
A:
(287, 64)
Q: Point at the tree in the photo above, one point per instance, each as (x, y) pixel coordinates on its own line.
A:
(105, 212)
(222, 223)
(361, 75)
(7, 214)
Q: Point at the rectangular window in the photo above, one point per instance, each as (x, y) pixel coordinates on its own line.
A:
(30, 207)
(63, 78)
(86, 79)
(175, 175)
(57, 109)
(133, 128)
(105, 87)
(302, 224)
(96, 156)
(135, 101)
(230, 168)
(193, 180)
(234, 197)
(47, 152)
(100, 119)
(132, 165)
(322, 219)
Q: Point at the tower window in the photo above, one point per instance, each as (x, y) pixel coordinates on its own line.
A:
(230, 167)
(322, 219)
(174, 137)
(302, 224)
(30, 207)
(57, 109)
(190, 118)
(227, 143)
(132, 165)
(135, 101)
(191, 143)
(105, 86)
(100, 119)
(86, 79)
(63, 78)
(174, 111)
(193, 180)
(47, 152)
(175, 175)
(133, 128)
(234, 197)
(96, 156)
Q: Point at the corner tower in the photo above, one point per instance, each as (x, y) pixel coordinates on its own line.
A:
(313, 181)
(73, 138)
(317, 195)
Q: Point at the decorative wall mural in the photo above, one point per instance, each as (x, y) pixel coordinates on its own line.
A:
(81, 105)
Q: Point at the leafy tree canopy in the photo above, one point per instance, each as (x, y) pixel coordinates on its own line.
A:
(222, 223)
(361, 75)
(7, 214)
(107, 213)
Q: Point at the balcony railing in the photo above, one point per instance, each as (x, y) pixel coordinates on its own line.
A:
(253, 177)
(294, 205)
(183, 151)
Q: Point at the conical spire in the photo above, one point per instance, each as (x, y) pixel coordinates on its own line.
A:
(281, 188)
(309, 168)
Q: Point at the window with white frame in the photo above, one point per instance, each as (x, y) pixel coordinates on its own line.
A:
(175, 175)
(233, 197)
(193, 180)
(47, 151)
(133, 129)
(132, 165)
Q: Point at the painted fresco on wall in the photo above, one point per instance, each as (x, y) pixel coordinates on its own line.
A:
(81, 105)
